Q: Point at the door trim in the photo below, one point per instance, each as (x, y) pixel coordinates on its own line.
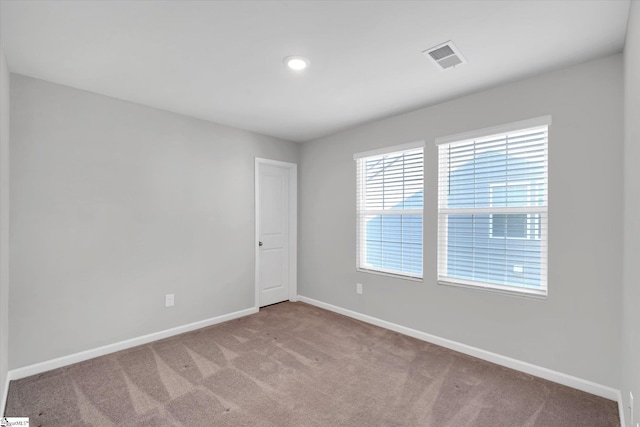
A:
(293, 226)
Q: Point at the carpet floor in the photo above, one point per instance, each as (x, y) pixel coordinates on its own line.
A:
(293, 364)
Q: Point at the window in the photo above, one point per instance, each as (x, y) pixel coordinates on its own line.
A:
(390, 204)
(492, 208)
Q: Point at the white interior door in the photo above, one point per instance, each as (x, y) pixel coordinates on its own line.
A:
(275, 271)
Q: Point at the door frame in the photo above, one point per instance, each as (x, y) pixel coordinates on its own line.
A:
(293, 226)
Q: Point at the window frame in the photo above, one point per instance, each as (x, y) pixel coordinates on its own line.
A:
(361, 254)
(541, 210)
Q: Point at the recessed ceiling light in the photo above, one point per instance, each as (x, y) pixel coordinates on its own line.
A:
(296, 62)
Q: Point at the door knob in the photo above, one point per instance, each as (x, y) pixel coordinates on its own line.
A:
(259, 243)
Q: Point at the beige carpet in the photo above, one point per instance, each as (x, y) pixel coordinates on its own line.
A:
(293, 364)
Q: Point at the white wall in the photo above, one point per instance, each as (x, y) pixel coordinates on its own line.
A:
(4, 227)
(576, 329)
(114, 205)
(631, 287)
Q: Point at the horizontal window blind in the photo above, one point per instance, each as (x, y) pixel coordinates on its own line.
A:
(492, 211)
(390, 210)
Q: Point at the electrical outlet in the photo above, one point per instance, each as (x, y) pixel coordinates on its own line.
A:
(631, 408)
(169, 300)
(359, 288)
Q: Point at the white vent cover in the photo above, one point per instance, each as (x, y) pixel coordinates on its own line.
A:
(445, 55)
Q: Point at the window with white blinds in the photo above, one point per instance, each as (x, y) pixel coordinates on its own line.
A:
(390, 201)
(492, 208)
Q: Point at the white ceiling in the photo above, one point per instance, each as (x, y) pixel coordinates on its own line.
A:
(222, 61)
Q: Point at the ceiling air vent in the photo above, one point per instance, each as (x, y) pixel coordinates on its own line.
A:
(445, 56)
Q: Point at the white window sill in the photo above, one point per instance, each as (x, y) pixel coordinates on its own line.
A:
(389, 274)
(525, 293)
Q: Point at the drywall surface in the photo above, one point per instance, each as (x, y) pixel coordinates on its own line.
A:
(576, 329)
(4, 225)
(113, 206)
(631, 284)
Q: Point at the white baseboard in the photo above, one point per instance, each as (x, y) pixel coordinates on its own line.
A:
(5, 393)
(538, 371)
(621, 408)
(59, 362)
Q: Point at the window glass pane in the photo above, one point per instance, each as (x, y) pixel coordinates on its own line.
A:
(394, 242)
(512, 226)
(472, 255)
(473, 168)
